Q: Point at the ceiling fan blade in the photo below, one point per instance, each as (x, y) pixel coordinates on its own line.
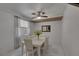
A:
(58, 18)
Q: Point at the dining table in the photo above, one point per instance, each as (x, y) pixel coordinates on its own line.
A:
(36, 43)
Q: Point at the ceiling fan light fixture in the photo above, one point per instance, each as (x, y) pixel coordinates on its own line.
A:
(43, 12)
(38, 18)
(39, 15)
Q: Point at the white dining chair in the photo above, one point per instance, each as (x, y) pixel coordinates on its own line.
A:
(30, 50)
(44, 47)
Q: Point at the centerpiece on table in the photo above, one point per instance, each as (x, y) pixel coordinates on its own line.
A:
(38, 33)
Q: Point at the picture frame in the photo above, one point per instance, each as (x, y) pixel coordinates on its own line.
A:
(46, 28)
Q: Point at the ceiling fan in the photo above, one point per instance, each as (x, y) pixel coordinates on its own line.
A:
(39, 14)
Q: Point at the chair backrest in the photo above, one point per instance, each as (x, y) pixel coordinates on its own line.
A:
(28, 44)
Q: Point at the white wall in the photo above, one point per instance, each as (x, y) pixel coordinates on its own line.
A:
(6, 32)
(71, 31)
(55, 29)
(32, 26)
(54, 37)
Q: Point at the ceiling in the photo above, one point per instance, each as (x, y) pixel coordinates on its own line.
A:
(26, 9)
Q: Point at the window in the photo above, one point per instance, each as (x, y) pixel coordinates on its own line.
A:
(23, 23)
(23, 27)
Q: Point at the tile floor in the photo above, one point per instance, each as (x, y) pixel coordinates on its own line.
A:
(51, 52)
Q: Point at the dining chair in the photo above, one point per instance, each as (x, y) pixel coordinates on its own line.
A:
(30, 50)
(44, 47)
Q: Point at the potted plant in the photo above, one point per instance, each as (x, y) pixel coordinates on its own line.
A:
(38, 33)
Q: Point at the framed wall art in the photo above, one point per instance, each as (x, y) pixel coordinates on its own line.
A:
(46, 28)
